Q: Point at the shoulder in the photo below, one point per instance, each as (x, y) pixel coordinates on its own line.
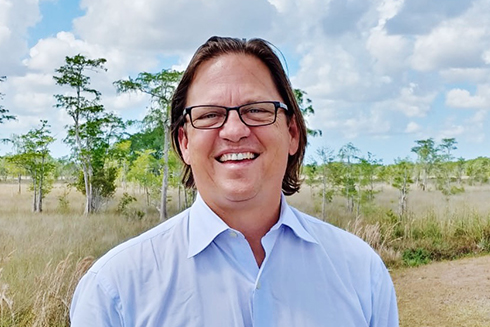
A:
(171, 232)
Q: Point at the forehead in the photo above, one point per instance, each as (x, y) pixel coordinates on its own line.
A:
(232, 79)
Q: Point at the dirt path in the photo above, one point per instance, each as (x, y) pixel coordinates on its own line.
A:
(455, 293)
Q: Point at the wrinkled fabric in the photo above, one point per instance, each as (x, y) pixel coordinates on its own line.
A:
(193, 270)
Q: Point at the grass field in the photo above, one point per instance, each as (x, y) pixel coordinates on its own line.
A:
(42, 256)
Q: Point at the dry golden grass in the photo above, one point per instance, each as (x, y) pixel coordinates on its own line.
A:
(42, 256)
(55, 289)
(49, 252)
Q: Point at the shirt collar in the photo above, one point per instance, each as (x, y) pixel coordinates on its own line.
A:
(205, 225)
(293, 221)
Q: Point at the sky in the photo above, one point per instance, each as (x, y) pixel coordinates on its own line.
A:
(381, 74)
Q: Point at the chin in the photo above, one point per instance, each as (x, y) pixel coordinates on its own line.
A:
(239, 194)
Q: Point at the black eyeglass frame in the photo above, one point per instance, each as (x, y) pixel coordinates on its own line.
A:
(277, 105)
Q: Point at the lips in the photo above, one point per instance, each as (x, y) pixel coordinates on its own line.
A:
(237, 156)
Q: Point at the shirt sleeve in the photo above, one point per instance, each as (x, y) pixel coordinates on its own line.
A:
(95, 304)
(385, 309)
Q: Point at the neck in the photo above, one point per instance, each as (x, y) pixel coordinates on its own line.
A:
(252, 220)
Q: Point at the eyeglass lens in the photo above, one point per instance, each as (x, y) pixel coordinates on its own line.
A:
(255, 114)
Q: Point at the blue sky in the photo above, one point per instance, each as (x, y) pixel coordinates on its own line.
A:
(381, 73)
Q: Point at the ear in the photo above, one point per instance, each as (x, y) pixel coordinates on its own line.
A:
(294, 136)
(184, 145)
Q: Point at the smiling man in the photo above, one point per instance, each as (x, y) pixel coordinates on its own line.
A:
(240, 256)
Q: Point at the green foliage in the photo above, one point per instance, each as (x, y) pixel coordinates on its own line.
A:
(63, 202)
(93, 131)
(306, 107)
(478, 170)
(33, 156)
(160, 86)
(145, 171)
(126, 209)
(416, 257)
(4, 112)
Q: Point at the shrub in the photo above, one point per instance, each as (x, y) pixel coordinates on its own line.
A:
(416, 257)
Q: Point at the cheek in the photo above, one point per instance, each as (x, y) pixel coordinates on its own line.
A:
(199, 146)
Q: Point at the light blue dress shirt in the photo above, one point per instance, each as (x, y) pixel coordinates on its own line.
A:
(193, 270)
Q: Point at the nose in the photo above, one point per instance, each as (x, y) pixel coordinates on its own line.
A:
(234, 129)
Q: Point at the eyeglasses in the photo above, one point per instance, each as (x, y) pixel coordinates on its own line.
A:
(251, 114)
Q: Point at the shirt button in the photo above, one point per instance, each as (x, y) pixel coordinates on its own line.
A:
(233, 234)
(258, 286)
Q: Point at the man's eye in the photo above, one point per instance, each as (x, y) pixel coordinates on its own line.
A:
(254, 110)
(209, 115)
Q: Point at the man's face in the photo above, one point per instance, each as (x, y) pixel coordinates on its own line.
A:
(222, 180)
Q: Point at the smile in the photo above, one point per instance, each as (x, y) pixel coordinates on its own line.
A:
(237, 156)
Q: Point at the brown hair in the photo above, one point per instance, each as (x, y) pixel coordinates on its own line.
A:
(262, 50)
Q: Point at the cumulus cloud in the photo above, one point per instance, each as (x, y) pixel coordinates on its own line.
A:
(451, 131)
(457, 43)
(16, 16)
(380, 69)
(421, 16)
(461, 98)
(412, 127)
(466, 75)
(170, 26)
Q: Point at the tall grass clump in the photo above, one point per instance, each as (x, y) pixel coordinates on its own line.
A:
(7, 315)
(49, 252)
(56, 286)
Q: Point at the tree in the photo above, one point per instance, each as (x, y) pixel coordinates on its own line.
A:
(93, 130)
(444, 164)
(160, 86)
(401, 178)
(144, 171)
(367, 168)
(4, 112)
(306, 107)
(17, 169)
(35, 159)
(460, 167)
(121, 153)
(347, 154)
(427, 156)
(327, 157)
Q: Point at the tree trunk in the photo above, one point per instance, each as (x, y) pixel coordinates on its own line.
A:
(88, 191)
(34, 195)
(19, 181)
(163, 201)
(40, 186)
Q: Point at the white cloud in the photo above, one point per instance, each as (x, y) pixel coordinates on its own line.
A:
(390, 52)
(465, 75)
(457, 43)
(370, 67)
(412, 128)
(170, 26)
(16, 16)
(486, 57)
(460, 98)
(452, 131)
(412, 101)
(476, 126)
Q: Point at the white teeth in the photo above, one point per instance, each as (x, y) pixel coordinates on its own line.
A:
(236, 156)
